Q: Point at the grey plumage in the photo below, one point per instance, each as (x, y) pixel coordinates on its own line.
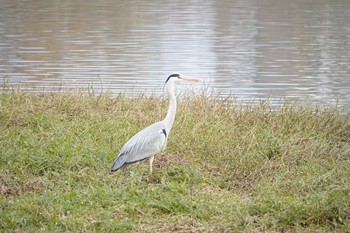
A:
(143, 145)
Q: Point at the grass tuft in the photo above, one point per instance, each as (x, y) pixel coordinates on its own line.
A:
(228, 166)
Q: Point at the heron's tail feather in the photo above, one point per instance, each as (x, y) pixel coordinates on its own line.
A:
(119, 162)
(116, 166)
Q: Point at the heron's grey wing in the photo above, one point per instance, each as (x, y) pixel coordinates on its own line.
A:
(142, 145)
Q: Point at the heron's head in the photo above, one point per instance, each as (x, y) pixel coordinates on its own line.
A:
(180, 77)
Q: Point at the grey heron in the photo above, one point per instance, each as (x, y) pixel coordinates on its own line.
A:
(152, 140)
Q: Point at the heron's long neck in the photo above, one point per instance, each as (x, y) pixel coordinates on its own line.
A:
(170, 116)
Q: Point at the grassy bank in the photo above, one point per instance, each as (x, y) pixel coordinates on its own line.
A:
(225, 170)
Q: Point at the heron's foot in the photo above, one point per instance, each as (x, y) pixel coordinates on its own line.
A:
(154, 178)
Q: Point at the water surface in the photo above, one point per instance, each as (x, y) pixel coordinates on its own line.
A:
(248, 48)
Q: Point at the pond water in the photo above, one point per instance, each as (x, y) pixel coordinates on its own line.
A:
(248, 48)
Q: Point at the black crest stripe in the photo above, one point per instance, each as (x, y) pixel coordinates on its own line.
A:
(172, 75)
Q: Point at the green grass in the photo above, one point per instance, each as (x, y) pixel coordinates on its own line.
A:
(227, 169)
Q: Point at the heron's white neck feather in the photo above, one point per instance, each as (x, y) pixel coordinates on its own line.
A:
(170, 116)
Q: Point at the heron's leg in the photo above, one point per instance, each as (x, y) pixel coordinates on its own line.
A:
(151, 162)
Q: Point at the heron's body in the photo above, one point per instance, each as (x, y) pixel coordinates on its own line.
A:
(143, 145)
(151, 140)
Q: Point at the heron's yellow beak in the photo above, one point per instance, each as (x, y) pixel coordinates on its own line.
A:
(193, 79)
